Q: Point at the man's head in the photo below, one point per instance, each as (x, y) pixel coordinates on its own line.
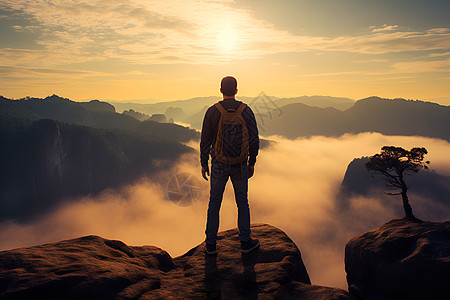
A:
(228, 86)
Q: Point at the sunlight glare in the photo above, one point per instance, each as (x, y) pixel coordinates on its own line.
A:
(227, 39)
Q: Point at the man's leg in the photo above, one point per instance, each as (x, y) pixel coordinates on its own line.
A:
(219, 178)
(240, 186)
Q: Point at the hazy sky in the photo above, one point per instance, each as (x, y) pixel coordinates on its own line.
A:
(144, 49)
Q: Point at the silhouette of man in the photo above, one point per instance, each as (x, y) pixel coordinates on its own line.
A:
(220, 171)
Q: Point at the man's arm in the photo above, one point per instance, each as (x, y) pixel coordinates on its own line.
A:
(253, 136)
(205, 143)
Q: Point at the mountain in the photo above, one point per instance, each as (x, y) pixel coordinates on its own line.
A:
(136, 115)
(196, 120)
(386, 116)
(400, 117)
(192, 105)
(193, 110)
(339, 103)
(94, 114)
(92, 267)
(54, 107)
(46, 162)
(298, 119)
(188, 106)
(54, 149)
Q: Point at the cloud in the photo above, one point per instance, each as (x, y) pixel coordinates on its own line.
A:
(385, 27)
(422, 66)
(439, 54)
(149, 32)
(52, 56)
(37, 76)
(439, 30)
(294, 188)
(137, 214)
(31, 28)
(393, 72)
(388, 42)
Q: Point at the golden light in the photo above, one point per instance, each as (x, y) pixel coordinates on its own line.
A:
(227, 39)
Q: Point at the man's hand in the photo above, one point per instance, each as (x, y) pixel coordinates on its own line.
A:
(251, 170)
(205, 170)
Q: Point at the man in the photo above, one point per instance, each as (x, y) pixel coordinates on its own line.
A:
(220, 171)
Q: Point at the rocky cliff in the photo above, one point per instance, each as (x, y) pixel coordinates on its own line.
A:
(92, 267)
(400, 260)
(46, 162)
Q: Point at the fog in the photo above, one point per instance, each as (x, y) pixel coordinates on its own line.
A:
(294, 189)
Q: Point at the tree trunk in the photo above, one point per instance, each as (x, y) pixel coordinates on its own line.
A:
(406, 206)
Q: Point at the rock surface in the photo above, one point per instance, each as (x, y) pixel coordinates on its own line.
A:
(95, 268)
(400, 260)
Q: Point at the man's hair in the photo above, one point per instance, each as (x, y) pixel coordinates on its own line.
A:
(228, 86)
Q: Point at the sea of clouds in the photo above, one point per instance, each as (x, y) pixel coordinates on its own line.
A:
(294, 188)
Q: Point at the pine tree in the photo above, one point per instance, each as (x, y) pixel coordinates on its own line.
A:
(394, 163)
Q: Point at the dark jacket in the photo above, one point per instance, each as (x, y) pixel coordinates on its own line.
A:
(211, 124)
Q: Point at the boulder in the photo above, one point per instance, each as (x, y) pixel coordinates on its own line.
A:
(92, 267)
(400, 260)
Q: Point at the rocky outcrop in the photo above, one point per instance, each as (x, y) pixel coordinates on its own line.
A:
(400, 260)
(98, 106)
(95, 268)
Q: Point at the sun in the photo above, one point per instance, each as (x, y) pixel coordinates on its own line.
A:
(227, 39)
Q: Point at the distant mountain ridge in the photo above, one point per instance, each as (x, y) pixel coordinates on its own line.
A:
(189, 106)
(321, 115)
(340, 103)
(194, 108)
(192, 105)
(94, 114)
(373, 114)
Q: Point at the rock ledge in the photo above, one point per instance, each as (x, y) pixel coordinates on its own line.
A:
(92, 267)
(400, 260)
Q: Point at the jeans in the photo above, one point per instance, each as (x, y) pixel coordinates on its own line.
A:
(219, 177)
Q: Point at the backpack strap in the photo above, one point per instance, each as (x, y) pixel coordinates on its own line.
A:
(223, 111)
(241, 108)
(220, 108)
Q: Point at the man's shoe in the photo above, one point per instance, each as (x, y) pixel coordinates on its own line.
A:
(210, 249)
(249, 246)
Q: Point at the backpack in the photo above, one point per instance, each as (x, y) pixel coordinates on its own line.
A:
(232, 136)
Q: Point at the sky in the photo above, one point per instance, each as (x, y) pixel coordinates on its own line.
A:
(169, 50)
